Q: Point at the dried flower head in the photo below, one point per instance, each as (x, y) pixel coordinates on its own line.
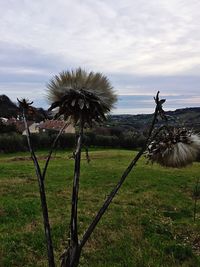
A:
(26, 106)
(79, 94)
(175, 147)
(24, 103)
(159, 103)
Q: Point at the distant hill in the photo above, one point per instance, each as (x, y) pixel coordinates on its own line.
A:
(188, 117)
(7, 108)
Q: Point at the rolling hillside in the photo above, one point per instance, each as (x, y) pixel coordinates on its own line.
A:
(189, 117)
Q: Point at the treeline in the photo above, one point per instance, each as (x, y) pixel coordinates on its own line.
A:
(14, 142)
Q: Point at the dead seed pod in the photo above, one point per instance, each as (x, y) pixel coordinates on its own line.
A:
(174, 147)
(79, 94)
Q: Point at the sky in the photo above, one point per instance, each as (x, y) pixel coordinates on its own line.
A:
(141, 46)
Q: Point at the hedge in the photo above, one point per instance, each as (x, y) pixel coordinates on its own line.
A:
(16, 142)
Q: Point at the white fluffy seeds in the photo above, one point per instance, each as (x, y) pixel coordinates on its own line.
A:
(177, 148)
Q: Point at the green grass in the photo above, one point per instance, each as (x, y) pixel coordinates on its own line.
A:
(149, 224)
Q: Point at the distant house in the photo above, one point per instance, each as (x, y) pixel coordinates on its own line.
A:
(44, 126)
(33, 128)
(55, 125)
(19, 125)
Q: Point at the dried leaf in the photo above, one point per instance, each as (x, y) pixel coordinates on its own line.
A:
(81, 103)
(73, 102)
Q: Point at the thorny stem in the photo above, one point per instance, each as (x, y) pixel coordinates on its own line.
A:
(73, 223)
(109, 199)
(70, 257)
(42, 197)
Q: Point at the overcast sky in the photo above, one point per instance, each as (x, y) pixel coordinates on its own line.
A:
(141, 46)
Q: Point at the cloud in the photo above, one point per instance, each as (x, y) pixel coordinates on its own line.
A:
(149, 85)
(136, 37)
(142, 46)
(135, 104)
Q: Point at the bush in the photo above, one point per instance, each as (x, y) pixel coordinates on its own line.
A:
(17, 142)
(89, 139)
(12, 143)
(7, 128)
(45, 140)
(132, 140)
(106, 141)
(66, 141)
(39, 140)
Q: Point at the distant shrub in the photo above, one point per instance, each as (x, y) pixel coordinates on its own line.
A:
(12, 143)
(66, 141)
(89, 138)
(131, 140)
(106, 141)
(41, 141)
(128, 142)
(7, 128)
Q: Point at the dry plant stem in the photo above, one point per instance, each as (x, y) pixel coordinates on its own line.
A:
(42, 197)
(119, 184)
(74, 242)
(52, 148)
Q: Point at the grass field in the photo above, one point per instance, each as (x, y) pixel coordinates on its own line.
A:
(149, 224)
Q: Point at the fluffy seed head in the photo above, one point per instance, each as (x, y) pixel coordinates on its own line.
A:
(176, 147)
(79, 94)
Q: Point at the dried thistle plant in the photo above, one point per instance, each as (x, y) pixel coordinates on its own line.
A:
(174, 147)
(83, 98)
(26, 108)
(78, 94)
(73, 101)
(24, 103)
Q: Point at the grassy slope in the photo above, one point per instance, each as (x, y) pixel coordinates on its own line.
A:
(149, 224)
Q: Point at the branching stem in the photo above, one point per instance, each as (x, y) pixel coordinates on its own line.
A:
(73, 223)
(72, 255)
(109, 199)
(42, 196)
